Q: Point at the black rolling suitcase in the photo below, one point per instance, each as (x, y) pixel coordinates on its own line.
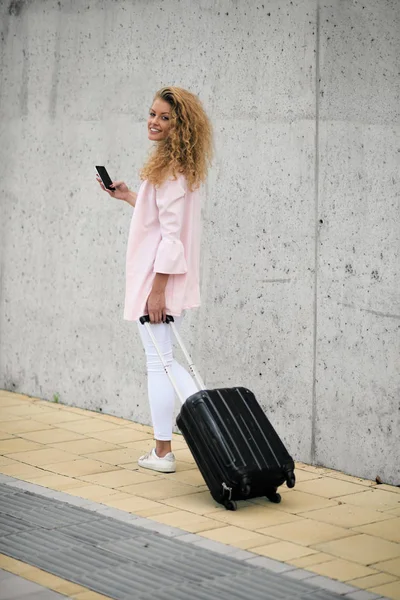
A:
(236, 448)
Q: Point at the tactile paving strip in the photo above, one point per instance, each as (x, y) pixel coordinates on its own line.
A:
(125, 561)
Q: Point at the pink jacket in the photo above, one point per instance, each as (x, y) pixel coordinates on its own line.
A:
(164, 237)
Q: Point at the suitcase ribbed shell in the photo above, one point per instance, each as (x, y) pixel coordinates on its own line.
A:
(236, 448)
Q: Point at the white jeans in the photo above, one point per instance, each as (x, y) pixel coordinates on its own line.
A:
(161, 392)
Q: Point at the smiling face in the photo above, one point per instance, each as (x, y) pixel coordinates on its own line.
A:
(159, 121)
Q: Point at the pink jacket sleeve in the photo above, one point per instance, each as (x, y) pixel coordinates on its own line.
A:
(170, 257)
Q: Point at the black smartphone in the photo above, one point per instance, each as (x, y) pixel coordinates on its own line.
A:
(104, 176)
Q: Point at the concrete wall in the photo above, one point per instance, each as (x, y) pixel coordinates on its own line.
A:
(301, 218)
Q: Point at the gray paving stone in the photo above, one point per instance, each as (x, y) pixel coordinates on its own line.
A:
(5, 575)
(7, 483)
(44, 595)
(119, 582)
(41, 511)
(95, 507)
(324, 595)
(242, 554)
(25, 485)
(299, 574)
(63, 497)
(100, 530)
(76, 501)
(215, 546)
(270, 564)
(5, 479)
(362, 595)
(189, 538)
(143, 522)
(16, 587)
(53, 494)
(195, 562)
(36, 540)
(331, 585)
(10, 525)
(253, 584)
(45, 519)
(92, 558)
(50, 493)
(123, 517)
(157, 527)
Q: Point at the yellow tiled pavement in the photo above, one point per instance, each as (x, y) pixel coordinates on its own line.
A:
(21, 426)
(201, 503)
(389, 530)
(373, 498)
(305, 533)
(54, 482)
(346, 569)
(51, 436)
(235, 536)
(339, 526)
(329, 488)
(42, 456)
(373, 580)
(85, 446)
(389, 566)
(17, 445)
(363, 549)
(283, 551)
(346, 515)
(394, 511)
(21, 470)
(388, 590)
(157, 490)
(298, 502)
(190, 522)
(119, 478)
(78, 467)
(121, 436)
(308, 561)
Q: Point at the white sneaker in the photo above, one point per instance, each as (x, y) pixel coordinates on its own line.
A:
(166, 464)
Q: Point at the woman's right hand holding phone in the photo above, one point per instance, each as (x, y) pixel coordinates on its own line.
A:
(120, 192)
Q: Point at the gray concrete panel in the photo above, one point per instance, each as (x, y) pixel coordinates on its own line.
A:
(357, 418)
(359, 59)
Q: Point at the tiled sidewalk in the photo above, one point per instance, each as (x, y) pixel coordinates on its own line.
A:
(127, 557)
(337, 526)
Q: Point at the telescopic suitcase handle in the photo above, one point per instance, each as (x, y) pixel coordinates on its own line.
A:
(145, 320)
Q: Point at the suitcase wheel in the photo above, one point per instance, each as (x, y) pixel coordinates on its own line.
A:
(230, 505)
(273, 496)
(290, 479)
(245, 487)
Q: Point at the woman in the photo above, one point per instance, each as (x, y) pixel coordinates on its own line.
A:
(162, 264)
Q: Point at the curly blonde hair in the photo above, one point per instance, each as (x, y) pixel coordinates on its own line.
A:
(188, 147)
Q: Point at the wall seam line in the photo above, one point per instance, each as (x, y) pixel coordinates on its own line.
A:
(316, 238)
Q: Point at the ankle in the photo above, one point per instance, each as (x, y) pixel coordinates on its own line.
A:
(163, 448)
